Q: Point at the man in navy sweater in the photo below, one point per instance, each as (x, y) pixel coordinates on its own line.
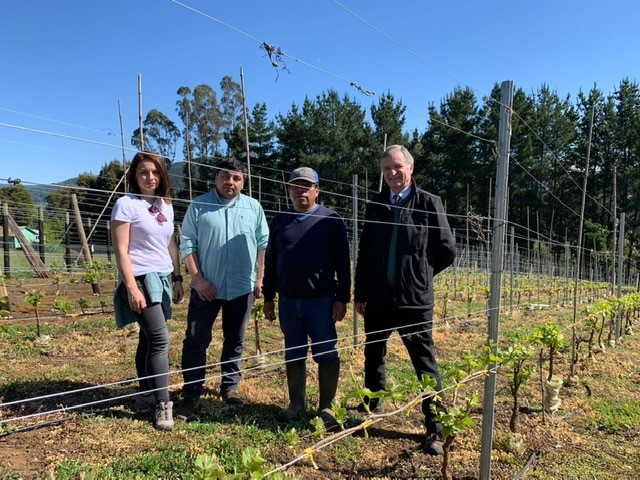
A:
(307, 264)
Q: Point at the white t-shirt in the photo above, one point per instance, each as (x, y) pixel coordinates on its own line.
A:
(148, 237)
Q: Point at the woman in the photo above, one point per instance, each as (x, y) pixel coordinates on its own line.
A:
(148, 262)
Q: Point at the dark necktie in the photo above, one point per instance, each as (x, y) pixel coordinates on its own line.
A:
(396, 198)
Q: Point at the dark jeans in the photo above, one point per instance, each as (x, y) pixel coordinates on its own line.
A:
(302, 317)
(415, 328)
(200, 318)
(152, 353)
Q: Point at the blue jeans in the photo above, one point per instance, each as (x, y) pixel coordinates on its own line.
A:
(301, 318)
(200, 318)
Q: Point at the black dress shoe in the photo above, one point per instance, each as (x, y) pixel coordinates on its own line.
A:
(432, 444)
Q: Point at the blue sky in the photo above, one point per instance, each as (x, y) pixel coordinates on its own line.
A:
(66, 64)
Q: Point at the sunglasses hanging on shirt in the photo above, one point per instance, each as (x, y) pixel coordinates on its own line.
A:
(155, 211)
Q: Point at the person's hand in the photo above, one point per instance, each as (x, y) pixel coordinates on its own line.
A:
(137, 302)
(178, 292)
(270, 311)
(257, 289)
(206, 291)
(361, 307)
(339, 311)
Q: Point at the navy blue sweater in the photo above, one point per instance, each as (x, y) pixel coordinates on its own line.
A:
(308, 257)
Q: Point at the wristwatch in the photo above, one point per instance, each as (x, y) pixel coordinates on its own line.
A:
(176, 278)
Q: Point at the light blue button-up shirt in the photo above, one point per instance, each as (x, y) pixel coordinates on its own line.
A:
(227, 238)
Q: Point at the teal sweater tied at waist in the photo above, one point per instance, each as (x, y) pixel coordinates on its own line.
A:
(160, 290)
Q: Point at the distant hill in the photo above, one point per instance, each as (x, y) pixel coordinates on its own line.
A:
(39, 192)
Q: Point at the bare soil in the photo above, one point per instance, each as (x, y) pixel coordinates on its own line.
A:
(87, 351)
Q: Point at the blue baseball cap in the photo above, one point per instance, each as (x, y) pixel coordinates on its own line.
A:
(304, 173)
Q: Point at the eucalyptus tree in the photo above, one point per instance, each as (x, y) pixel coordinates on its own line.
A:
(231, 105)
(161, 135)
(200, 112)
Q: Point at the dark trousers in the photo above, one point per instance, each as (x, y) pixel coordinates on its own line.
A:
(415, 327)
(152, 352)
(200, 318)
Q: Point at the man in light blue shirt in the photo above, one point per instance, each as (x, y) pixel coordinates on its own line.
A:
(224, 237)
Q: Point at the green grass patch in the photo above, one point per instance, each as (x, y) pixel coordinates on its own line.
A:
(615, 416)
(167, 461)
(348, 450)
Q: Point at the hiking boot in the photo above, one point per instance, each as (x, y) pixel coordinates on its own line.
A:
(232, 398)
(432, 444)
(164, 416)
(144, 402)
(186, 409)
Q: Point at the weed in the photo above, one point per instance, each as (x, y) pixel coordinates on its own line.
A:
(615, 416)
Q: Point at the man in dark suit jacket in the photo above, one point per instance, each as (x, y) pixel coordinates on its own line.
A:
(406, 240)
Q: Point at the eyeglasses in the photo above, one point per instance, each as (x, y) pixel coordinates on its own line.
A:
(154, 210)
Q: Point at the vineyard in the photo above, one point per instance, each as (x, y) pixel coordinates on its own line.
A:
(535, 323)
(68, 380)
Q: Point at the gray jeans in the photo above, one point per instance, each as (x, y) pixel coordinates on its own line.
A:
(152, 354)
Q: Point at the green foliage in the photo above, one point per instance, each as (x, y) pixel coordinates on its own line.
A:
(362, 394)
(167, 461)
(252, 463)
(84, 304)
(292, 438)
(257, 311)
(160, 135)
(54, 231)
(551, 337)
(340, 412)
(616, 416)
(34, 298)
(20, 203)
(62, 305)
(514, 359)
(207, 467)
(103, 304)
(252, 466)
(456, 420)
(94, 272)
(319, 428)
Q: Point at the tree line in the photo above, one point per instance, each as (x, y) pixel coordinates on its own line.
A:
(455, 155)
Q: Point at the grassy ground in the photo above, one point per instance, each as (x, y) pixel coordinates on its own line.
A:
(595, 433)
